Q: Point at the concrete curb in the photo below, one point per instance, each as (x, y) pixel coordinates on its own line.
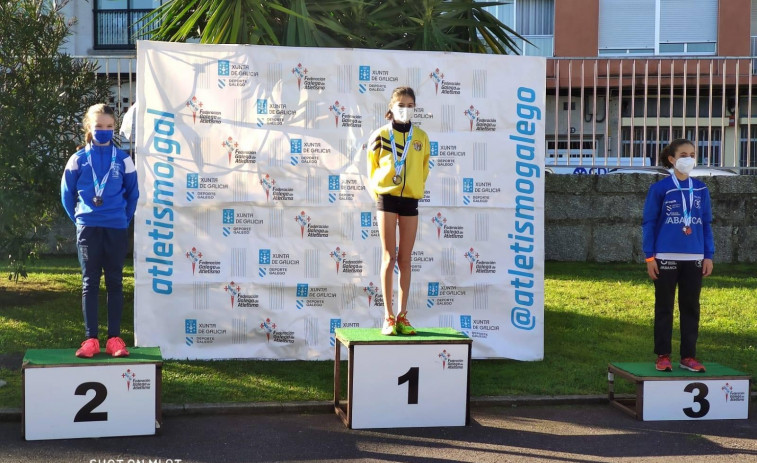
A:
(261, 408)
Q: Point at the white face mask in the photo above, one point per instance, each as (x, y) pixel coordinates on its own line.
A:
(685, 165)
(401, 114)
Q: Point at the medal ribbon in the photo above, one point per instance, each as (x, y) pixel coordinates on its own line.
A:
(100, 186)
(399, 164)
(686, 210)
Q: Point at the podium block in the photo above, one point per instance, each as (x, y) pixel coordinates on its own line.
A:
(68, 397)
(404, 381)
(719, 393)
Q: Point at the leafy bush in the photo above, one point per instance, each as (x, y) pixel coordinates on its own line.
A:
(43, 96)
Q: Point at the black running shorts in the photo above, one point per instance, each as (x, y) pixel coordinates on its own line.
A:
(397, 205)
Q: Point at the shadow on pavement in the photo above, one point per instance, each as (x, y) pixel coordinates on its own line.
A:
(572, 433)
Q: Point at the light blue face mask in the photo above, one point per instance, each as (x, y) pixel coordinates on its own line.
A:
(102, 136)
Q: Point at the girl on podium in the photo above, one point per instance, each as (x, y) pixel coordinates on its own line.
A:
(398, 156)
(99, 193)
(678, 246)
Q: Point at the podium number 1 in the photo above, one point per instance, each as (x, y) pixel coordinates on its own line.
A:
(411, 377)
(704, 405)
(85, 413)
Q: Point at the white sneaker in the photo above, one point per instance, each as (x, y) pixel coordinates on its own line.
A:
(389, 328)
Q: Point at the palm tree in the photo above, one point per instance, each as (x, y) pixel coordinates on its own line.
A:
(441, 25)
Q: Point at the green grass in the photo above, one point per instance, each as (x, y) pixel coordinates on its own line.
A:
(594, 314)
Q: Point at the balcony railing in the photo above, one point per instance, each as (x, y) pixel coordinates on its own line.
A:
(120, 29)
(610, 112)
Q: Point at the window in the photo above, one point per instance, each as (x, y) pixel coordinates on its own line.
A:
(689, 106)
(559, 153)
(118, 23)
(708, 152)
(534, 20)
(748, 157)
(535, 17)
(658, 27)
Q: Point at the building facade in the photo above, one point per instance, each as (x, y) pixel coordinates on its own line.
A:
(625, 77)
(106, 31)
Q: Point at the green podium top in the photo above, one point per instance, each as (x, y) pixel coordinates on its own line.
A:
(424, 336)
(647, 369)
(67, 357)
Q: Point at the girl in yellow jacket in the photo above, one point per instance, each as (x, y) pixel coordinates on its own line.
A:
(398, 156)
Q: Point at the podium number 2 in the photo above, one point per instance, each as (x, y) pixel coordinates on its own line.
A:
(411, 377)
(704, 405)
(86, 413)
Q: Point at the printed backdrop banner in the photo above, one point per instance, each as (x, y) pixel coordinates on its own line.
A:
(255, 236)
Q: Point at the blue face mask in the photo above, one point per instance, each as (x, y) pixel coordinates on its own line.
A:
(102, 136)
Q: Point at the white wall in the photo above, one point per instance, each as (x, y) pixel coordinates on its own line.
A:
(82, 38)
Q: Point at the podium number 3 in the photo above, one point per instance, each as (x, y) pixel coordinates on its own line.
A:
(86, 413)
(704, 405)
(411, 377)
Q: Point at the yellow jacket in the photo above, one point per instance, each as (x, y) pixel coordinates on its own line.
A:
(381, 163)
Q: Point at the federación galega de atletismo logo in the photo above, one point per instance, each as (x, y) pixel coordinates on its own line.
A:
(194, 257)
(303, 220)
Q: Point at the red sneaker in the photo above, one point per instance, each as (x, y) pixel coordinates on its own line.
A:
(116, 347)
(663, 363)
(88, 348)
(692, 364)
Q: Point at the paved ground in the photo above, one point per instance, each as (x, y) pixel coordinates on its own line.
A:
(562, 433)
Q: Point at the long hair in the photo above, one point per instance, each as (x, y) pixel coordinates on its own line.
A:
(671, 149)
(92, 112)
(397, 94)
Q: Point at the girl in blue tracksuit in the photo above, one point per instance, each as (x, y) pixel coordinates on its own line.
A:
(678, 245)
(99, 193)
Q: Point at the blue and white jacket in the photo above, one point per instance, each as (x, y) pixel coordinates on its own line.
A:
(662, 228)
(119, 196)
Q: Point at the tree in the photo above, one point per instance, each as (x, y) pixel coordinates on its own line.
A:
(442, 25)
(43, 96)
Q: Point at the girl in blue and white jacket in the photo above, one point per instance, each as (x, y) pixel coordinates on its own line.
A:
(678, 246)
(99, 193)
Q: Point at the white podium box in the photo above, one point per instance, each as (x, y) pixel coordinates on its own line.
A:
(721, 393)
(404, 381)
(67, 397)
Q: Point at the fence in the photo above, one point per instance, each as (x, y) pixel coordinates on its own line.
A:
(622, 111)
(605, 113)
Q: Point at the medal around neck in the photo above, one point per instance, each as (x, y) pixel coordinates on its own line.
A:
(399, 162)
(687, 209)
(99, 185)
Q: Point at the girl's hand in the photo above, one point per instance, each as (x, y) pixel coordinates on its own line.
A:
(707, 267)
(652, 269)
